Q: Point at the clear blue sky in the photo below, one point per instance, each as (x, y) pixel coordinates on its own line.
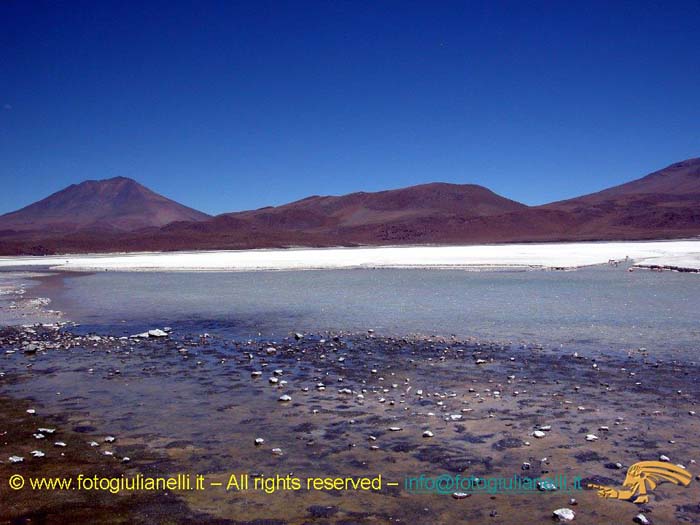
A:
(235, 105)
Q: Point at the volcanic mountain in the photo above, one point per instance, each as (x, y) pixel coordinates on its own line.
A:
(119, 204)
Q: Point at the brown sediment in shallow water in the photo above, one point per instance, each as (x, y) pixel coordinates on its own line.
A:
(191, 404)
(27, 506)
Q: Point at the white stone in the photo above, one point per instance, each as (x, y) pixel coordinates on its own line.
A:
(641, 519)
(564, 514)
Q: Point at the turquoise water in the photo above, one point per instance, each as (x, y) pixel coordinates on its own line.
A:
(597, 308)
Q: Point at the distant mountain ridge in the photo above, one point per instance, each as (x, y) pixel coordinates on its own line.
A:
(121, 215)
(435, 199)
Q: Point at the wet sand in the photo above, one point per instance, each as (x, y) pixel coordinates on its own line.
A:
(189, 403)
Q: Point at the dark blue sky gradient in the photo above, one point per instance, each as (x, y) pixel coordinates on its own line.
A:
(235, 105)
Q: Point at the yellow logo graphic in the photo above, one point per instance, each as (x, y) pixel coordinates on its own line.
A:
(642, 478)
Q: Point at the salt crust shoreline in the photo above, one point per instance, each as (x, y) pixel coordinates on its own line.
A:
(681, 255)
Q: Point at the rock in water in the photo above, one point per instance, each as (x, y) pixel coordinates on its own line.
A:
(31, 349)
(546, 485)
(564, 514)
(157, 333)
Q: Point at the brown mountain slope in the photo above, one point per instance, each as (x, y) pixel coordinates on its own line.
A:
(435, 200)
(675, 182)
(357, 218)
(666, 202)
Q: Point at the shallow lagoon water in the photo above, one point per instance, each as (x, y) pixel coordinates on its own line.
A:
(201, 413)
(594, 309)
